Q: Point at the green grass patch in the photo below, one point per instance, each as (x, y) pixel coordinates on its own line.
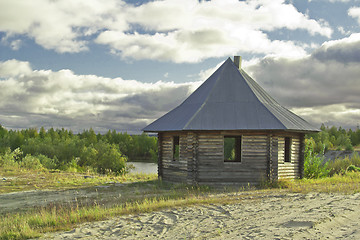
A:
(14, 180)
(347, 184)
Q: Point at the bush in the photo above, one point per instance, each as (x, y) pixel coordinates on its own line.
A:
(31, 163)
(8, 159)
(104, 157)
(110, 159)
(17, 154)
(46, 162)
(313, 166)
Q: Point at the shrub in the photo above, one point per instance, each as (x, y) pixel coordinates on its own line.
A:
(313, 166)
(46, 162)
(110, 159)
(104, 157)
(8, 159)
(349, 147)
(17, 154)
(31, 162)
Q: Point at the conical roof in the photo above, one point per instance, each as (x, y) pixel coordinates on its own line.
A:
(229, 100)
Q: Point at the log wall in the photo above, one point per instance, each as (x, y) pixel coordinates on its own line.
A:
(292, 169)
(212, 168)
(201, 158)
(174, 170)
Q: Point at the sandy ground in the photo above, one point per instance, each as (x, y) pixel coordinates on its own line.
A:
(265, 216)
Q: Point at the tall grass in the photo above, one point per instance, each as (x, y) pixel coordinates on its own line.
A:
(340, 165)
(315, 167)
(347, 183)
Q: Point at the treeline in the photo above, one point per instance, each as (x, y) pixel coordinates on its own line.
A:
(62, 149)
(333, 138)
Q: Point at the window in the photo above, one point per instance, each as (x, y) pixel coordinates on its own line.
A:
(176, 148)
(232, 148)
(287, 153)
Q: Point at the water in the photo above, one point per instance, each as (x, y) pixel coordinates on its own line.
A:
(144, 167)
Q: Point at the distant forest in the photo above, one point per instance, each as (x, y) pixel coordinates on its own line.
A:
(62, 149)
(107, 153)
(333, 138)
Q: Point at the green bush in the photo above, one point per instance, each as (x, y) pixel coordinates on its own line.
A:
(46, 162)
(8, 160)
(313, 166)
(110, 159)
(31, 163)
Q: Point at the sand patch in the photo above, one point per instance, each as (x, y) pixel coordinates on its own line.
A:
(271, 216)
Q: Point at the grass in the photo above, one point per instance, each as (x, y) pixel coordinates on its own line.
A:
(145, 194)
(347, 184)
(16, 179)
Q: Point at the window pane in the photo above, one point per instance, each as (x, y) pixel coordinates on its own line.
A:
(287, 149)
(229, 149)
(232, 148)
(176, 148)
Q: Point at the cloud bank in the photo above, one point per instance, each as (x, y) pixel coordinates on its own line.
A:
(323, 87)
(34, 98)
(182, 31)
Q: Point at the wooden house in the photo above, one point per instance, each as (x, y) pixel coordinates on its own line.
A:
(230, 130)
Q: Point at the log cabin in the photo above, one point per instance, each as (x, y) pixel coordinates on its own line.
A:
(230, 131)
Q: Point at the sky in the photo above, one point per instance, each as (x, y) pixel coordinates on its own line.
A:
(119, 65)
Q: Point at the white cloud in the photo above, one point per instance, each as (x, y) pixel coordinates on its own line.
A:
(59, 25)
(64, 98)
(322, 87)
(355, 13)
(342, 31)
(205, 74)
(343, 50)
(14, 68)
(331, 115)
(182, 31)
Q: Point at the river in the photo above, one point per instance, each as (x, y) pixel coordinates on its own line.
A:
(143, 167)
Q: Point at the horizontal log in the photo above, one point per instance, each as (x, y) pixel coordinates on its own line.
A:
(212, 139)
(221, 179)
(282, 175)
(231, 172)
(254, 154)
(205, 154)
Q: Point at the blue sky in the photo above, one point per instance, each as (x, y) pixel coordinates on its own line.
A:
(122, 64)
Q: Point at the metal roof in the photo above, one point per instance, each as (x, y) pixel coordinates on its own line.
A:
(229, 100)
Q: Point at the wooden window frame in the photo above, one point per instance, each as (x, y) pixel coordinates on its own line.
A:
(237, 147)
(175, 142)
(287, 149)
